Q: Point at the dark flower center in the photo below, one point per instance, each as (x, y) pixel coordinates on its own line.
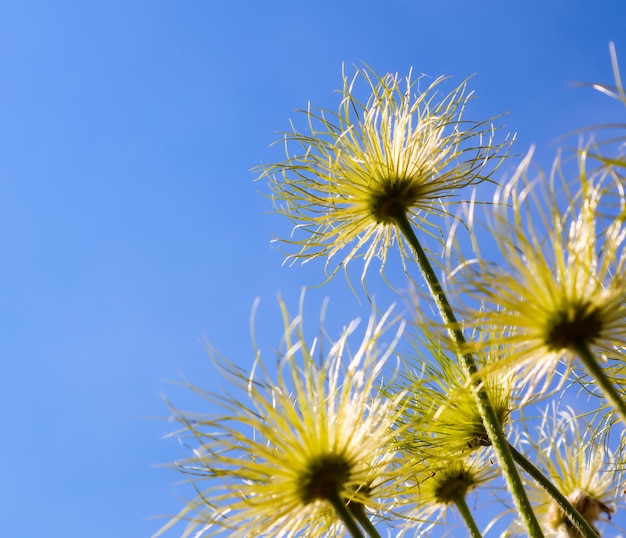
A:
(325, 477)
(452, 484)
(577, 327)
(394, 197)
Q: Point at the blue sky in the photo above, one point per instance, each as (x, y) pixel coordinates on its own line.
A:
(131, 229)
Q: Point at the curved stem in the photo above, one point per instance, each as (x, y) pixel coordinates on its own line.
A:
(344, 514)
(487, 412)
(359, 513)
(461, 504)
(608, 389)
(578, 521)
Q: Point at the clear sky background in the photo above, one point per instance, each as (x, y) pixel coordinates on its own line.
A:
(131, 229)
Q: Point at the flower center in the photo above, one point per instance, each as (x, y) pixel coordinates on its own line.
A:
(571, 329)
(452, 484)
(324, 478)
(393, 197)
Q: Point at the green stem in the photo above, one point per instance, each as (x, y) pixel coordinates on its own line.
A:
(461, 504)
(344, 514)
(608, 389)
(358, 510)
(487, 412)
(578, 521)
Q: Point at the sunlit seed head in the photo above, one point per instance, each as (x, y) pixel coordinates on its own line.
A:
(286, 445)
(442, 483)
(573, 452)
(558, 288)
(395, 146)
(443, 418)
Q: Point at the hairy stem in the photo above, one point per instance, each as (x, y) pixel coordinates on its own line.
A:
(461, 504)
(359, 513)
(578, 521)
(487, 412)
(344, 514)
(608, 389)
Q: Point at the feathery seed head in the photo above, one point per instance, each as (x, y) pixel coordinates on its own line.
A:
(315, 430)
(442, 416)
(452, 482)
(401, 152)
(560, 286)
(577, 460)
(439, 484)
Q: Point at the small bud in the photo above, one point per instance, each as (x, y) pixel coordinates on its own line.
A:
(588, 507)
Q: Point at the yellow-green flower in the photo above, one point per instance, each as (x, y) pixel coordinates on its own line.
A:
(442, 418)
(441, 484)
(579, 463)
(560, 289)
(402, 151)
(288, 446)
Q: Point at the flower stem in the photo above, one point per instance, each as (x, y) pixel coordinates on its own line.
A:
(578, 521)
(461, 504)
(487, 412)
(344, 514)
(358, 510)
(597, 373)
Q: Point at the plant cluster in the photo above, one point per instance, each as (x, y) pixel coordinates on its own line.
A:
(528, 301)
